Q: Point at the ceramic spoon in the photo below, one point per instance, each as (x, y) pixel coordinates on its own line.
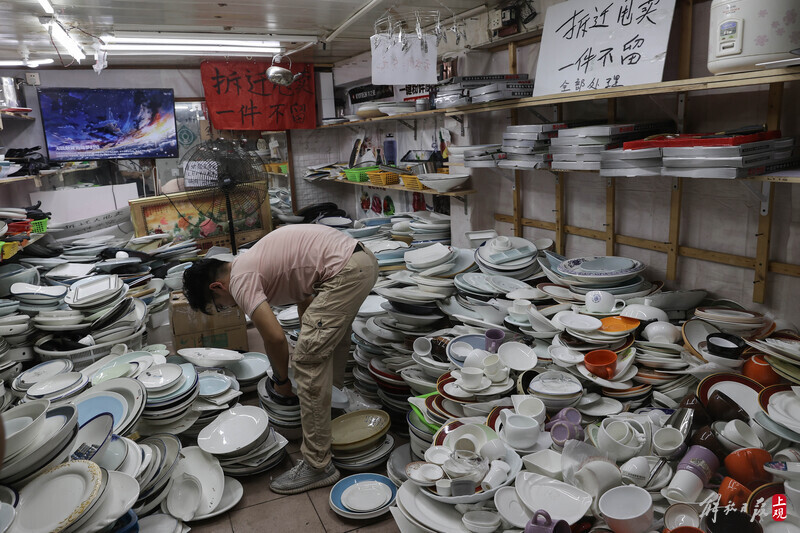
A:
(183, 499)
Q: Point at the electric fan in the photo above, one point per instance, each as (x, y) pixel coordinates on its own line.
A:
(224, 183)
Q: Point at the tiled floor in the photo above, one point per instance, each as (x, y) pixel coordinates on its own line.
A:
(263, 510)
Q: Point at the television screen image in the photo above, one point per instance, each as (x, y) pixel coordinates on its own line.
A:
(92, 124)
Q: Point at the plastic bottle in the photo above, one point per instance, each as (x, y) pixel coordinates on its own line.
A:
(390, 149)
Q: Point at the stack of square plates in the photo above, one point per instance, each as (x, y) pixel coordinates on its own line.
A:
(512, 257)
(95, 293)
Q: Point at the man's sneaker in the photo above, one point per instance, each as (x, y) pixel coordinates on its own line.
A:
(303, 477)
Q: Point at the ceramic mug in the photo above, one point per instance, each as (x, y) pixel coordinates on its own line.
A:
(472, 376)
(701, 416)
(494, 338)
(493, 450)
(627, 509)
(667, 442)
(603, 302)
(466, 443)
(542, 523)
(499, 376)
(701, 461)
(731, 491)
(722, 407)
(443, 487)
(498, 474)
(422, 346)
(706, 437)
(532, 407)
(521, 307)
(562, 431)
(607, 440)
(520, 432)
(492, 364)
(596, 477)
(680, 515)
(567, 414)
(747, 467)
(601, 363)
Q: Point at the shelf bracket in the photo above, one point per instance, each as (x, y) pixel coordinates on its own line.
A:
(460, 120)
(681, 112)
(464, 200)
(541, 117)
(409, 126)
(761, 195)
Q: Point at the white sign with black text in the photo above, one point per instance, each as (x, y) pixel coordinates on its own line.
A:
(599, 44)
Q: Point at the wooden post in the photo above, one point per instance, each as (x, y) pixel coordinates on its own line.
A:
(611, 197)
(764, 235)
(517, 189)
(674, 228)
(685, 57)
(560, 215)
(290, 172)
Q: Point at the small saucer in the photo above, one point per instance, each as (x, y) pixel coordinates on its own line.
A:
(456, 392)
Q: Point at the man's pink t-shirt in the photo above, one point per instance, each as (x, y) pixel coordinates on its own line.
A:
(283, 267)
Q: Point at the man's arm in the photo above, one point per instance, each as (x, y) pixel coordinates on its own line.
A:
(275, 343)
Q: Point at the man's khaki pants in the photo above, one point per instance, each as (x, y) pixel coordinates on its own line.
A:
(323, 348)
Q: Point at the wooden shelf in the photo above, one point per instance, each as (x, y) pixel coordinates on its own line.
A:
(456, 193)
(784, 176)
(723, 81)
(47, 174)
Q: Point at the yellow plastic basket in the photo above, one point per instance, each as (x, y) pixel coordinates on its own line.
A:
(410, 181)
(382, 177)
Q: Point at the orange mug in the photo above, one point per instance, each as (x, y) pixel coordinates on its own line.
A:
(757, 369)
(747, 467)
(601, 363)
(731, 491)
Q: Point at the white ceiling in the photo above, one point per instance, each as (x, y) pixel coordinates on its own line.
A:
(20, 28)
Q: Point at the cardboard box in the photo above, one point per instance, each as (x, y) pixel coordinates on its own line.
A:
(186, 320)
(193, 329)
(231, 339)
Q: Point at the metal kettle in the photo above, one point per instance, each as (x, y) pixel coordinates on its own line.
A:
(280, 75)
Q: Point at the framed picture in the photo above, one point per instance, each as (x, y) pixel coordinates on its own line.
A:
(184, 216)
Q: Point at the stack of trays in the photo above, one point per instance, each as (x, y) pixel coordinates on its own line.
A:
(727, 161)
(582, 148)
(456, 153)
(210, 357)
(504, 90)
(486, 156)
(528, 147)
(82, 253)
(630, 163)
(173, 390)
(38, 436)
(284, 415)
(155, 480)
(242, 440)
(430, 229)
(94, 293)
(513, 257)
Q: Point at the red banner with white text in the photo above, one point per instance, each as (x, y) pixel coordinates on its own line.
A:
(240, 97)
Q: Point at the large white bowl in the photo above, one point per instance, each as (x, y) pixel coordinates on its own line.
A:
(442, 182)
(22, 424)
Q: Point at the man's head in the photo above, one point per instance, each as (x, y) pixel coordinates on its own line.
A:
(207, 282)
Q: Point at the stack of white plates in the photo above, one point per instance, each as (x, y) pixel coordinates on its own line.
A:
(365, 460)
(75, 496)
(61, 386)
(284, 418)
(210, 357)
(15, 325)
(127, 365)
(61, 320)
(396, 108)
(512, 257)
(8, 307)
(84, 253)
(243, 441)
(429, 228)
(95, 293)
(177, 250)
(249, 370)
(38, 295)
(289, 318)
(37, 436)
(556, 389)
(40, 372)
(162, 453)
(738, 322)
(170, 409)
(362, 496)
(216, 393)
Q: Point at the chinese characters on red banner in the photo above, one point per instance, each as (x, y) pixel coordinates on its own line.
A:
(240, 97)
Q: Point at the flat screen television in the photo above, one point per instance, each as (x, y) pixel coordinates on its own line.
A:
(93, 124)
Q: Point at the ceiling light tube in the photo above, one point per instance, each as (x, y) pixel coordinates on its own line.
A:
(47, 7)
(204, 38)
(62, 37)
(190, 48)
(32, 63)
(118, 53)
(351, 19)
(178, 42)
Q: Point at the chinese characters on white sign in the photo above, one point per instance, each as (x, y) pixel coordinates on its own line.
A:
(599, 44)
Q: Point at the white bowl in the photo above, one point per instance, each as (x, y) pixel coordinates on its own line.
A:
(481, 521)
(22, 424)
(442, 182)
(174, 282)
(627, 509)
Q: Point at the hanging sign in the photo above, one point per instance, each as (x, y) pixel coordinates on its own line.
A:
(599, 44)
(367, 93)
(240, 97)
(400, 62)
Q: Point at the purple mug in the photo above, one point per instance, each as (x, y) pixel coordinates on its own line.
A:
(701, 461)
(494, 338)
(567, 414)
(562, 431)
(542, 523)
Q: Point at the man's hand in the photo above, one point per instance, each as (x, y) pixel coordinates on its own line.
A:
(275, 343)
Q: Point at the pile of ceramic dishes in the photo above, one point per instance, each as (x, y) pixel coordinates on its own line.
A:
(249, 370)
(284, 414)
(289, 318)
(176, 251)
(171, 392)
(123, 398)
(83, 251)
(38, 436)
(200, 489)
(75, 496)
(174, 278)
(210, 357)
(156, 479)
(782, 354)
(155, 294)
(216, 392)
(59, 387)
(429, 228)
(43, 371)
(556, 389)
(122, 364)
(739, 322)
(362, 496)
(95, 293)
(36, 298)
(513, 257)
(13, 273)
(242, 440)
(360, 439)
